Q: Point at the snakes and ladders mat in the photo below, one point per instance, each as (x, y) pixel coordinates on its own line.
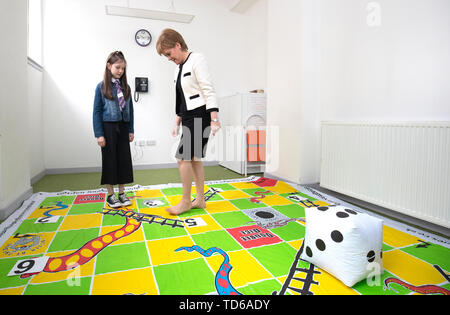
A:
(247, 241)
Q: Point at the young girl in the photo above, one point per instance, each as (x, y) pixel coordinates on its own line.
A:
(114, 128)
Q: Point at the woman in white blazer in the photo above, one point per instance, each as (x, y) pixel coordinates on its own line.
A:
(196, 111)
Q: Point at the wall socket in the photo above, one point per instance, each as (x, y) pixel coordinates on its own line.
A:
(145, 143)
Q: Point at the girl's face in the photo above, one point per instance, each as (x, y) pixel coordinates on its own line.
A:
(117, 69)
(175, 54)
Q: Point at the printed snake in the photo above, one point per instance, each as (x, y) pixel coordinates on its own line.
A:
(222, 282)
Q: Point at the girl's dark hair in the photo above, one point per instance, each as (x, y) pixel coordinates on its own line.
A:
(107, 85)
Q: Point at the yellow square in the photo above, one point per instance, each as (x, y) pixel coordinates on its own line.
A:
(275, 200)
(13, 291)
(244, 185)
(234, 194)
(220, 206)
(281, 188)
(39, 212)
(136, 236)
(245, 268)
(174, 200)
(82, 221)
(406, 267)
(148, 193)
(211, 225)
(396, 238)
(25, 245)
(84, 270)
(163, 251)
(296, 244)
(136, 281)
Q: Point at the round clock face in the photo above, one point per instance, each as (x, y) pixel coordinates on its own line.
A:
(143, 38)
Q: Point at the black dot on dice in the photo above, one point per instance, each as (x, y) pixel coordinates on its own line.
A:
(322, 208)
(320, 244)
(371, 256)
(309, 251)
(351, 211)
(341, 214)
(337, 236)
(264, 215)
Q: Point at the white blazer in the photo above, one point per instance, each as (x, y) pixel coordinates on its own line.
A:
(196, 83)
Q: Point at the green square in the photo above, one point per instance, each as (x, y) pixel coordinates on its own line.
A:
(79, 286)
(244, 204)
(231, 219)
(52, 201)
(433, 254)
(262, 191)
(29, 226)
(157, 231)
(216, 197)
(86, 208)
(109, 220)
(73, 239)
(291, 211)
(122, 257)
(224, 187)
(266, 287)
(6, 264)
(386, 248)
(220, 239)
(277, 259)
(291, 231)
(193, 277)
(172, 191)
(379, 288)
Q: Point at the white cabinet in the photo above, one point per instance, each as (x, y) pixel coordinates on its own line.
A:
(241, 115)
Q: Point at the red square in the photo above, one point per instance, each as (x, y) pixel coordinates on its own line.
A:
(253, 236)
(90, 198)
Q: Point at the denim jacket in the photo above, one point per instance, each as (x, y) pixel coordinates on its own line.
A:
(106, 110)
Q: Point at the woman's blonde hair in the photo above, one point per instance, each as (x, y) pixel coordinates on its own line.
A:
(168, 39)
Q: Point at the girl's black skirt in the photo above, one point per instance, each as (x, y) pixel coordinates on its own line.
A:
(117, 167)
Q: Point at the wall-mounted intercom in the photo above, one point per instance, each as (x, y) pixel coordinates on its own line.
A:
(141, 86)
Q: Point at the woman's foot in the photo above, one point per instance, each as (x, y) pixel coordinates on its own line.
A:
(180, 208)
(199, 204)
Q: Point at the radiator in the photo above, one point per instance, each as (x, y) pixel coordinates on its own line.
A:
(404, 167)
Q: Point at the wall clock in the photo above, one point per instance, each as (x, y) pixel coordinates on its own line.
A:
(143, 38)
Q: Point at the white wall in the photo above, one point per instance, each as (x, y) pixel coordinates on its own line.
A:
(78, 36)
(284, 51)
(397, 71)
(334, 66)
(35, 125)
(14, 137)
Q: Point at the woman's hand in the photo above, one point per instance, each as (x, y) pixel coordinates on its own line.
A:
(101, 142)
(131, 137)
(175, 130)
(215, 126)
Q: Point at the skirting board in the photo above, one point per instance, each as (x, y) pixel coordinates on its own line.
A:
(16, 204)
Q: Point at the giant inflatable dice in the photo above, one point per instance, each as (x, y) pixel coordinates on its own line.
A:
(344, 242)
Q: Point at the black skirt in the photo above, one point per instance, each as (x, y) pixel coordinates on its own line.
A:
(117, 167)
(194, 138)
